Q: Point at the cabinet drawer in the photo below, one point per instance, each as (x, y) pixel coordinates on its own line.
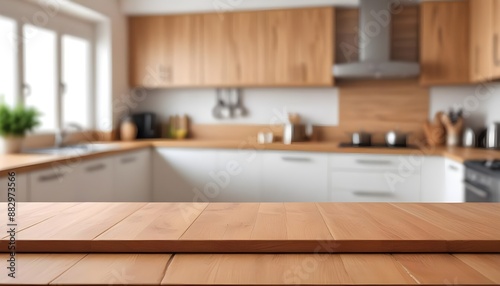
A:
(375, 162)
(374, 187)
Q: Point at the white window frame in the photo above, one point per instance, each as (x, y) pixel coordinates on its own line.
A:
(62, 24)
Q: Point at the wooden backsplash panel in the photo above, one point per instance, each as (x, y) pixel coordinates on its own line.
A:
(404, 34)
(380, 106)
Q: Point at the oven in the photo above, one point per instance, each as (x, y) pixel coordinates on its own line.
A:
(482, 184)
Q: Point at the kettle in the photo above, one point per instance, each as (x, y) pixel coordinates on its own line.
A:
(493, 136)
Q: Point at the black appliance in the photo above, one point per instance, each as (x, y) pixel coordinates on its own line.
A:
(482, 181)
(146, 125)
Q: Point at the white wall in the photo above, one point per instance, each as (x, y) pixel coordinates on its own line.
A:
(316, 105)
(112, 36)
(481, 103)
(139, 7)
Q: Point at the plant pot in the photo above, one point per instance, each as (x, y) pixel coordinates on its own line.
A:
(10, 144)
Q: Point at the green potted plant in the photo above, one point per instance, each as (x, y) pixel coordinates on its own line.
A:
(14, 124)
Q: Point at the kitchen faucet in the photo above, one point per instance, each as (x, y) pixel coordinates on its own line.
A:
(62, 133)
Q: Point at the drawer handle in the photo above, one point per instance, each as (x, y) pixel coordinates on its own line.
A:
(374, 162)
(95, 168)
(477, 191)
(373, 193)
(296, 159)
(453, 167)
(52, 177)
(128, 160)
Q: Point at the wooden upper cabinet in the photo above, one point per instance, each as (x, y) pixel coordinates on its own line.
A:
(147, 51)
(481, 20)
(265, 48)
(299, 46)
(496, 39)
(444, 43)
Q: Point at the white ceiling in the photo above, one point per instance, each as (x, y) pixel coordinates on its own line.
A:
(141, 7)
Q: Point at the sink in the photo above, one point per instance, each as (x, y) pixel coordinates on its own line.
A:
(75, 150)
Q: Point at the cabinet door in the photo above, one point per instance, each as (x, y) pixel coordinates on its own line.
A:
(57, 184)
(148, 51)
(294, 177)
(454, 182)
(186, 43)
(496, 39)
(20, 185)
(444, 46)
(244, 48)
(299, 47)
(132, 176)
(238, 173)
(184, 175)
(432, 180)
(95, 181)
(362, 186)
(481, 22)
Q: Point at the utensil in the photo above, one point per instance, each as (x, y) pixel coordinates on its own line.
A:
(295, 133)
(238, 109)
(226, 109)
(217, 110)
(361, 138)
(453, 129)
(469, 138)
(396, 139)
(493, 136)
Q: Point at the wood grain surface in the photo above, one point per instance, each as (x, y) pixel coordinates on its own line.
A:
(260, 228)
(38, 269)
(254, 269)
(116, 269)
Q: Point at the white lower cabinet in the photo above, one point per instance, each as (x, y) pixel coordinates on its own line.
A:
(294, 177)
(56, 184)
(20, 185)
(184, 175)
(454, 174)
(432, 181)
(132, 176)
(374, 178)
(95, 181)
(238, 175)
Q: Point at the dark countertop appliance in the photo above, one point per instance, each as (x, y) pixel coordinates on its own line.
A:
(146, 125)
(482, 181)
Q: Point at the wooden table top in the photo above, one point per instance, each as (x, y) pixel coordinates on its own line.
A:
(254, 269)
(256, 227)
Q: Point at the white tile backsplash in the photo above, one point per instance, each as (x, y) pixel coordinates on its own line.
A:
(481, 103)
(319, 106)
(265, 105)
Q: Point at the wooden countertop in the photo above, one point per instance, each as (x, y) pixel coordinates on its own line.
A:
(255, 269)
(29, 162)
(256, 227)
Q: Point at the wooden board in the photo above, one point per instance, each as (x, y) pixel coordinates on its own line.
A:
(486, 264)
(37, 269)
(254, 269)
(116, 269)
(264, 228)
(432, 269)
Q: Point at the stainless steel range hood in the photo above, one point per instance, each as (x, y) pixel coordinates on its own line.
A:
(375, 45)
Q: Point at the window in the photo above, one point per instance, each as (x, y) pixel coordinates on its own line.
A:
(55, 73)
(8, 60)
(76, 81)
(40, 80)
